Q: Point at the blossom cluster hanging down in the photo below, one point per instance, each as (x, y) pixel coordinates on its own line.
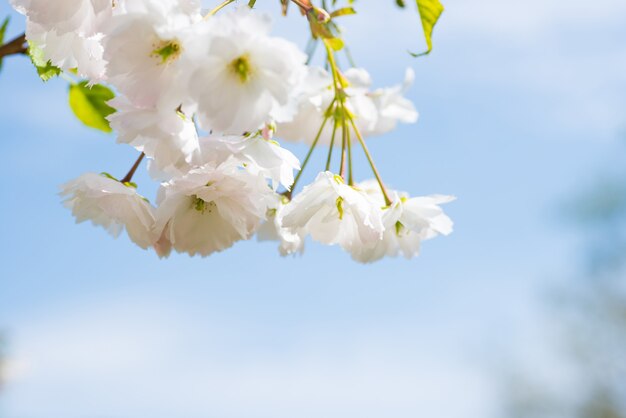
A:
(204, 96)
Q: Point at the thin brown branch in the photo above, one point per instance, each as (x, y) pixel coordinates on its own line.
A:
(134, 168)
(16, 46)
(305, 5)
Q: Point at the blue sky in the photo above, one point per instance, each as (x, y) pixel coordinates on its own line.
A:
(521, 106)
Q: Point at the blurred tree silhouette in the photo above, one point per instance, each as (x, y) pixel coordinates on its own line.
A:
(2, 345)
(2, 366)
(592, 312)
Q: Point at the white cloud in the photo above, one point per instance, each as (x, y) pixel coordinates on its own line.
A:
(507, 21)
(557, 67)
(118, 358)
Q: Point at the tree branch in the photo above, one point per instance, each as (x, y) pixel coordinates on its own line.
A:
(129, 176)
(16, 46)
(305, 5)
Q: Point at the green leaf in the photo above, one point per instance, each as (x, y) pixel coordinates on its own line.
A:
(335, 43)
(318, 29)
(344, 11)
(89, 104)
(45, 69)
(429, 11)
(3, 30)
(109, 176)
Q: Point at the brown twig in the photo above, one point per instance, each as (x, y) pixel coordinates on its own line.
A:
(16, 46)
(134, 168)
(305, 5)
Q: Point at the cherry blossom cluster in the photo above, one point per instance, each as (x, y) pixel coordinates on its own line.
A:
(204, 97)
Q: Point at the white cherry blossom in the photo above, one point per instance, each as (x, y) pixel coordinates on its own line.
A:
(114, 206)
(392, 107)
(244, 76)
(375, 112)
(68, 32)
(143, 48)
(291, 241)
(260, 155)
(313, 100)
(210, 208)
(408, 221)
(166, 136)
(65, 15)
(334, 213)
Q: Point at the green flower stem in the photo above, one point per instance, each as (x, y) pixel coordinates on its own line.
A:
(129, 176)
(68, 78)
(333, 67)
(344, 130)
(332, 145)
(218, 8)
(383, 189)
(340, 97)
(349, 143)
(308, 155)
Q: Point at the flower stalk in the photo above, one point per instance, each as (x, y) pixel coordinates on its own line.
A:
(383, 189)
(346, 117)
(349, 145)
(218, 8)
(342, 164)
(14, 47)
(327, 116)
(332, 145)
(129, 176)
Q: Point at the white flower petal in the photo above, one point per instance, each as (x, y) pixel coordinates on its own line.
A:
(110, 204)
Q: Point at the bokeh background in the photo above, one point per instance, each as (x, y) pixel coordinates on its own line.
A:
(520, 313)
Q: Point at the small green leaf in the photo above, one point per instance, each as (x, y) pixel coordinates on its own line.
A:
(45, 69)
(344, 11)
(429, 11)
(335, 43)
(400, 3)
(3, 30)
(109, 176)
(48, 71)
(320, 30)
(89, 104)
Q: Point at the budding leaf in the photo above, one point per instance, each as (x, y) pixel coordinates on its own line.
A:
(45, 69)
(343, 12)
(320, 29)
(3, 30)
(89, 104)
(429, 11)
(335, 43)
